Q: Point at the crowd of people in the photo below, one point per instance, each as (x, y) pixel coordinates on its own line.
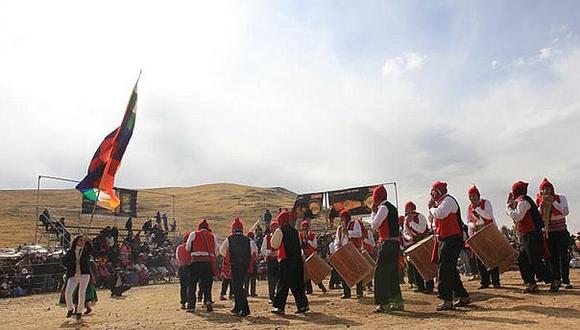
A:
(540, 235)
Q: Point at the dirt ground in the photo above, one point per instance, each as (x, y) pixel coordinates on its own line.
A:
(157, 307)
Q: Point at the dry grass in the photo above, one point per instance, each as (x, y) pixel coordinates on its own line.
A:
(216, 202)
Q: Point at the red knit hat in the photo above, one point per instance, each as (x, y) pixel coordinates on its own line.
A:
(519, 188)
(305, 224)
(440, 186)
(473, 190)
(546, 184)
(410, 206)
(251, 235)
(274, 225)
(345, 213)
(379, 194)
(203, 224)
(237, 225)
(284, 218)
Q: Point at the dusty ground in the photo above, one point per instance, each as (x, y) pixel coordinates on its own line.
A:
(157, 307)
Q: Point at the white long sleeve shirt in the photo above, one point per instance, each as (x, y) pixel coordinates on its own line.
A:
(419, 227)
(562, 207)
(445, 208)
(190, 240)
(485, 213)
(264, 251)
(379, 217)
(276, 240)
(520, 211)
(340, 239)
(356, 231)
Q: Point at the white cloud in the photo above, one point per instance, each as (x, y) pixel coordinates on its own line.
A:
(546, 53)
(397, 66)
(494, 64)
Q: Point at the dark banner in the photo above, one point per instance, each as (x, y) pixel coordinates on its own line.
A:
(357, 201)
(127, 206)
(309, 205)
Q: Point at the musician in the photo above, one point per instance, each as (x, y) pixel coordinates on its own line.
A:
(384, 219)
(349, 231)
(479, 215)
(203, 246)
(250, 284)
(415, 229)
(309, 243)
(369, 245)
(555, 208)
(523, 211)
(287, 241)
(272, 266)
(448, 230)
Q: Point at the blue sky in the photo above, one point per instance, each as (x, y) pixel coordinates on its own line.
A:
(308, 95)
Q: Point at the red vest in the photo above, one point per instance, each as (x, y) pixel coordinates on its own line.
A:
(305, 238)
(203, 246)
(526, 225)
(473, 218)
(449, 226)
(183, 256)
(356, 241)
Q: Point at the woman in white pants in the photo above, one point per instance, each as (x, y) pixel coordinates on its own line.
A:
(78, 272)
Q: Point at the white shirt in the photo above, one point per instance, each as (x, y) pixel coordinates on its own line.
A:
(561, 206)
(356, 231)
(340, 239)
(370, 239)
(226, 246)
(264, 250)
(276, 240)
(200, 253)
(419, 227)
(379, 217)
(445, 208)
(520, 211)
(484, 213)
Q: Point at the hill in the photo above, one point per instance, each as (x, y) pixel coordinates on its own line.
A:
(216, 202)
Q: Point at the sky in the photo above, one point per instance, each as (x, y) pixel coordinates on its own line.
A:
(306, 95)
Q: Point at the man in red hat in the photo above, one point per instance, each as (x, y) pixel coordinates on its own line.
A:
(309, 243)
(250, 285)
(555, 207)
(385, 220)
(186, 288)
(449, 233)
(287, 241)
(272, 266)
(415, 228)
(349, 230)
(524, 212)
(202, 245)
(239, 249)
(479, 215)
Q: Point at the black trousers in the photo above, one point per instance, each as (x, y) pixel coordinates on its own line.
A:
(291, 278)
(273, 272)
(308, 286)
(240, 295)
(334, 279)
(530, 259)
(449, 284)
(559, 262)
(386, 280)
(487, 276)
(225, 284)
(346, 289)
(422, 285)
(186, 288)
(201, 273)
(250, 284)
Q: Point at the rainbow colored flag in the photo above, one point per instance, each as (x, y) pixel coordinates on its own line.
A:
(98, 185)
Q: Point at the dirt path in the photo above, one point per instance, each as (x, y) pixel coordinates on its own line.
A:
(157, 307)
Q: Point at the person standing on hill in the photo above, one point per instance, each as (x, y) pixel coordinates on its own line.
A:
(202, 245)
(287, 241)
(267, 218)
(239, 249)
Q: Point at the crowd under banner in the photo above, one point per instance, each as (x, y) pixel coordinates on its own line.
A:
(309, 205)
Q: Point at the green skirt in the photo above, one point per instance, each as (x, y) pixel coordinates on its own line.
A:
(90, 295)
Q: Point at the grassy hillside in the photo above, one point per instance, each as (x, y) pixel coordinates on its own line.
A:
(216, 202)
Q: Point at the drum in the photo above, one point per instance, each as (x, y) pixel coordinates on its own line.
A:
(350, 264)
(493, 248)
(373, 263)
(420, 255)
(317, 268)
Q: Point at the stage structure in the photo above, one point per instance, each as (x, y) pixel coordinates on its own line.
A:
(357, 200)
(66, 203)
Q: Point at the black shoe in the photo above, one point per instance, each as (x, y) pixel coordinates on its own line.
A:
(481, 287)
(302, 310)
(462, 302)
(223, 298)
(79, 316)
(88, 311)
(234, 311)
(277, 311)
(344, 297)
(69, 314)
(418, 290)
(324, 290)
(183, 307)
(554, 287)
(446, 306)
(531, 289)
(209, 307)
(568, 286)
(243, 314)
(497, 286)
(190, 308)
